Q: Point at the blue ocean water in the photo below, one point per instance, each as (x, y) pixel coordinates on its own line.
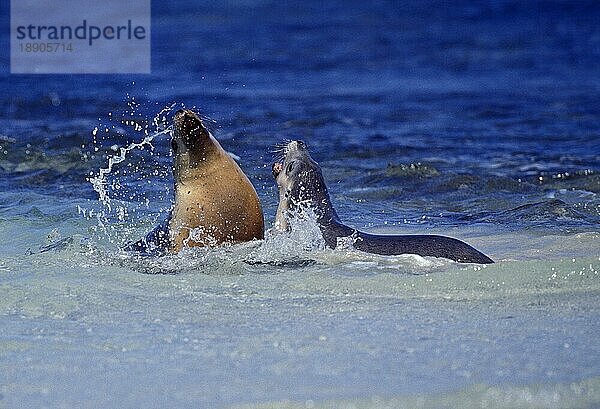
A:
(480, 121)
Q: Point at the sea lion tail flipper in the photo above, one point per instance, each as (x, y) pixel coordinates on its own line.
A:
(423, 245)
(460, 251)
(481, 258)
(156, 242)
(473, 255)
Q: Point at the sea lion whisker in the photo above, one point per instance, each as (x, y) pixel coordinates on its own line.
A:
(207, 119)
(280, 151)
(278, 157)
(278, 147)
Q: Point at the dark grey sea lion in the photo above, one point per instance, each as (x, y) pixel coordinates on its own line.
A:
(301, 183)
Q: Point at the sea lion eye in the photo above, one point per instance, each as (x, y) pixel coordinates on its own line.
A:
(290, 167)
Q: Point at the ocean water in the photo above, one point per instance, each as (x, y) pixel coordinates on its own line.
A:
(477, 121)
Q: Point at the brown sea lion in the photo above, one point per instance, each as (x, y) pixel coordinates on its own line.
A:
(215, 203)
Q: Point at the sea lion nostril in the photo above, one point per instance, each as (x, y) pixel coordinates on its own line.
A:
(301, 144)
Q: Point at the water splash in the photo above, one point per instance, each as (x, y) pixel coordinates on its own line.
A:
(303, 239)
(99, 182)
(113, 217)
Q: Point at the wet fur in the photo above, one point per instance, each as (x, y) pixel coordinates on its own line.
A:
(301, 183)
(213, 196)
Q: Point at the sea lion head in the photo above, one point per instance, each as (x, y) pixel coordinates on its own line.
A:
(191, 142)
(301, 182)
(189, 133)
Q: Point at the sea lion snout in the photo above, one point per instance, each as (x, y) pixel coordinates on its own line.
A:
(186, 120)
(295, 146)
(189, 131)
(181, 113)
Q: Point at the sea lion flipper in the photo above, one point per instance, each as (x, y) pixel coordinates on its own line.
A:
(422, 245)
(156, 242)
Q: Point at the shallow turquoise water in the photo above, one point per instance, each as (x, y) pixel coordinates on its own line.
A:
(85, 326)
